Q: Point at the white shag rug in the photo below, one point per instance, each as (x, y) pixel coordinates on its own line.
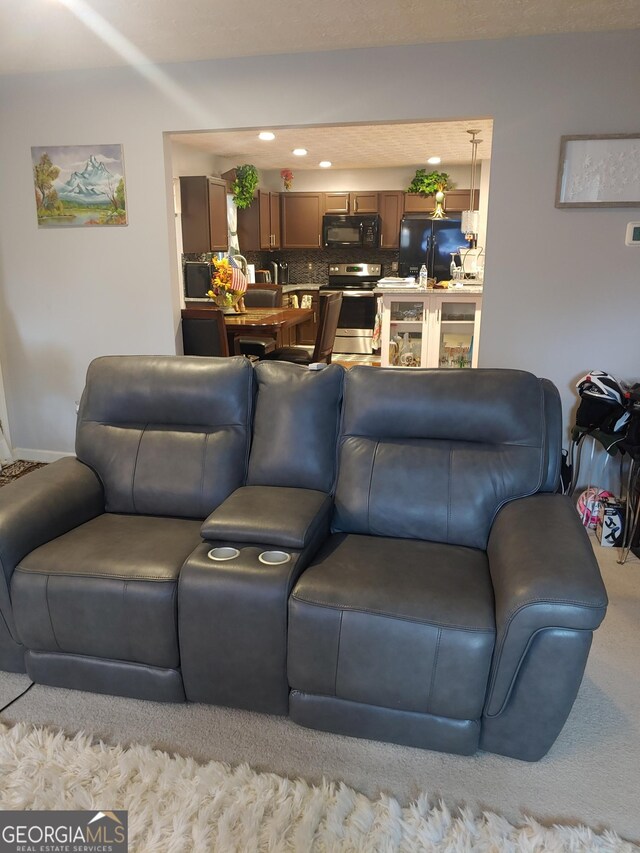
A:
(178, 806)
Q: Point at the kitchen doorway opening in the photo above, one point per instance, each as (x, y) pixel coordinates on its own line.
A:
(349, 171)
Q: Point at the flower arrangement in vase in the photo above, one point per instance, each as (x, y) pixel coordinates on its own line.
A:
(287, 178)
(228, 284)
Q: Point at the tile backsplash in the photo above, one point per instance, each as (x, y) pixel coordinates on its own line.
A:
(311, 265)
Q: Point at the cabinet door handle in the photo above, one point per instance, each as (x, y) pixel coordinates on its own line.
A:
(318, 239)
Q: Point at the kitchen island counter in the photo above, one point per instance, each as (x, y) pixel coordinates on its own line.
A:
(292, 288)
(465, 290)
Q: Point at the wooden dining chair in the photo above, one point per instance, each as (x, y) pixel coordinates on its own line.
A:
(330, 305)
(205, 336)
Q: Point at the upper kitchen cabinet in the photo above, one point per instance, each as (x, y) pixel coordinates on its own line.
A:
(455, 201)
(302, 220)
(391, 209)
(204, 214)
(351, 202)
(259, 224)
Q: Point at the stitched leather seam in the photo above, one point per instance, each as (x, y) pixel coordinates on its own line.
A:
(318, 695)
(335, 680)
(46, 601)
(423, 438)
(509, 623)
(204, 428)
(392, 616)
(124, 611)
(446, 537)
(127, 663)
(204, 465)
(135, 465)
(97, 575)
(6, 625)
(521, 661)
(373, 463)
(433, 672)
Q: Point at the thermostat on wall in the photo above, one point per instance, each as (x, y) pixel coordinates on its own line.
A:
(632, 237)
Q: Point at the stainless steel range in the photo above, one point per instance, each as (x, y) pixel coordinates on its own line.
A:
(358, 312)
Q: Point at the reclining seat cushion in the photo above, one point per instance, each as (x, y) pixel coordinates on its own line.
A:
(106, 589)
(166, 435)
(406, 625)
(433, 454)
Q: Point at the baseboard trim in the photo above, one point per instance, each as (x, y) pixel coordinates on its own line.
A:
(29, 455)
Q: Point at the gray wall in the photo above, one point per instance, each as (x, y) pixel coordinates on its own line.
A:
(562, 292)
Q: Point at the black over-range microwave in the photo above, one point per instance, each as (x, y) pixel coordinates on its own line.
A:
(350, 231)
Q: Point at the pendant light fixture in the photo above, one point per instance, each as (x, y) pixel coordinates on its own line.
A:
(470, 217)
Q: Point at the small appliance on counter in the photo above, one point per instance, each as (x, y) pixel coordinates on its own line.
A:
(279, 272)
(197, 279)
(263, 277)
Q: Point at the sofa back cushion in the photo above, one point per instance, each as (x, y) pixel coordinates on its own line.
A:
(166, 435)
(295, 429)
(433, 454)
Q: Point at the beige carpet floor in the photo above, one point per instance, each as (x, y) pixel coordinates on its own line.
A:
(591, 776)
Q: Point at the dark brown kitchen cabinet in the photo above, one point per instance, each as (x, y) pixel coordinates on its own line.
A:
(351, 202)
(301, 220)
(391, 208)
(455, 201)
(259, 224)
(203, 202)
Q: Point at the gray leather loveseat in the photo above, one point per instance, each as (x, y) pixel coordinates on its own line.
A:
(428, 587)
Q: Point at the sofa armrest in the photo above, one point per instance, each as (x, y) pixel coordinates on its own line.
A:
(282, 516)
(43, 505)
(544, 575)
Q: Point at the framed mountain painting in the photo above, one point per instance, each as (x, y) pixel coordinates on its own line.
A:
(79, 185)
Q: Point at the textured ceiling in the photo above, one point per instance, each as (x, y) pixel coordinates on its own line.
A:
(349, 147)
(46, 35)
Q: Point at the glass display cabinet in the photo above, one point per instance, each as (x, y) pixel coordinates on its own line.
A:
(430, 329)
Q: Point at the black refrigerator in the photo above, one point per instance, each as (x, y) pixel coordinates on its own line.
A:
(430, 242)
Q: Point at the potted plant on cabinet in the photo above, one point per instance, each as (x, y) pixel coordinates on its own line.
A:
(431, 183)
(244, 185)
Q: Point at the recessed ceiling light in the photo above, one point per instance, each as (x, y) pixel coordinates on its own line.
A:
(266, 135)
(300, 152)
(434, 161)
(325, 164)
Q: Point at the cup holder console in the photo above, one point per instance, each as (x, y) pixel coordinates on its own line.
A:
(274, 558)
(221, 554)
(268, 558)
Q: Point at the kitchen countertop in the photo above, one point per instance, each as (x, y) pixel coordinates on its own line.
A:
(291, 288)
(465, 290)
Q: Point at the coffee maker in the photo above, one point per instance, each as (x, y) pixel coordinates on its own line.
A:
(279, 272)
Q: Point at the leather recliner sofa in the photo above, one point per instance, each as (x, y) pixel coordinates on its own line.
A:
(433, 590)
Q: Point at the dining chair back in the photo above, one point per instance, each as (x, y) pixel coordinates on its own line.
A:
(205, 336)
(330, 306)
(263, 296)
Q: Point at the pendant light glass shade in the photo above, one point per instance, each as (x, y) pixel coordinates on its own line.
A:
(471, 217)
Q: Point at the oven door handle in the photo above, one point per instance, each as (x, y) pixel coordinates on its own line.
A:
(356, 293)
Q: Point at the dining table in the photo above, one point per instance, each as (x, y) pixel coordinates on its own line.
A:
(278, 323)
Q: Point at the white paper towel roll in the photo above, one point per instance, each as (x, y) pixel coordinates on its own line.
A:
(251, 273)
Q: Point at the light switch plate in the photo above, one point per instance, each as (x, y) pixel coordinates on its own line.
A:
(632, 237)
